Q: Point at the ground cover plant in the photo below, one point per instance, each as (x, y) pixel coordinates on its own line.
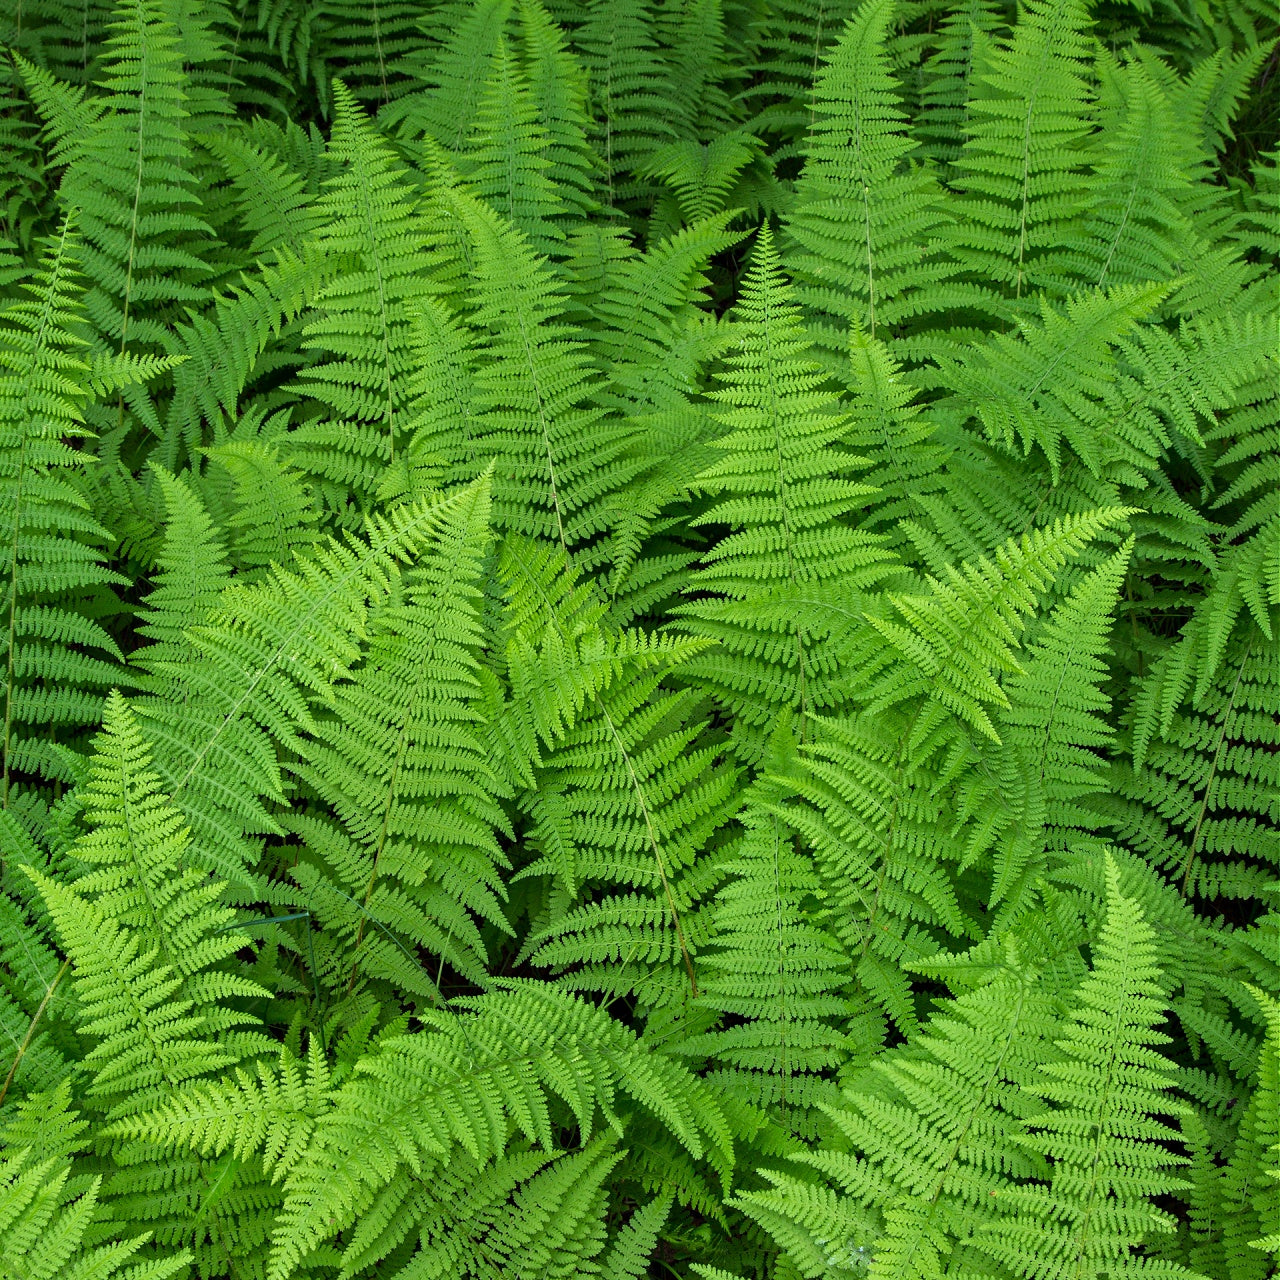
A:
(641, 638)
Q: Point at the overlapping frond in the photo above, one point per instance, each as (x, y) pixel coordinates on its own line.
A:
(243, 684)
(628, 785)
(1105, 1131)
(132, 183)
(410, 853)
(559, 460)
(497, 1068)
(145, 936)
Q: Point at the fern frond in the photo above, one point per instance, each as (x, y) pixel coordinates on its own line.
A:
(960, 47)
(274, 200)
(558, 461)
(136, 875)
(507, 162)
(400, 764)
(273, 516)
(629, 789)
(131, 179)
(59, 658)
(866, 220)
(788, 502)
(558, 86)
(1110, 1152)
(1055, 727)
(44, 1219)
(144, 935)
(946, 647)
(633, 99)
(1136, 229)
(552, 1226)
(1194, 789)
(446, 109)
(1007, 384)
(631, 1248)
(773, 969)
(1020, 170)
(1250, 1196)
(885, 426)
(365, 316)
(243, 685)
(271, 1110)
(932, 1133)
(786, 44)
(476, 1078)
(224, 348)
(702, 175)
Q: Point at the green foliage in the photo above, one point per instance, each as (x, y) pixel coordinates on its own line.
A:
(867, 221)
(789, 499)
(642, 638)
(57, 581)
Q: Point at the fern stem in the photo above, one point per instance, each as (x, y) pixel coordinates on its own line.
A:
(1026, 178)
(13, 611)
(137, 199)
(784, 1018)
(1113, 1040)
(784, 516)
(31, 1028)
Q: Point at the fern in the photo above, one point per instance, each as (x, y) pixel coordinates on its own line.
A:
(950, 76)
(1020, 166)
(788, 498)
(866, 221)
(929, 1134)
(558, 459)
(505, 1064)
(558, 85)
(631, 90)
(1109, 1149)
(1248, 1194)
(243, 682)
(455, 76)
(510, 169)
(775, 971)
(628, 791)
(787, 41)
(1138, 230)
(142, 935)
(401, 765)
(1055, 726)
(60, 659)
(44, 1219)
(1197, 795)
(367, 214)
(130, 177)
(544, 739)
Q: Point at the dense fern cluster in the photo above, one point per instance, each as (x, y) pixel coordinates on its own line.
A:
(641, 638)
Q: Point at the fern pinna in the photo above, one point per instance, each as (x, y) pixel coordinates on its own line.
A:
(640, 639)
